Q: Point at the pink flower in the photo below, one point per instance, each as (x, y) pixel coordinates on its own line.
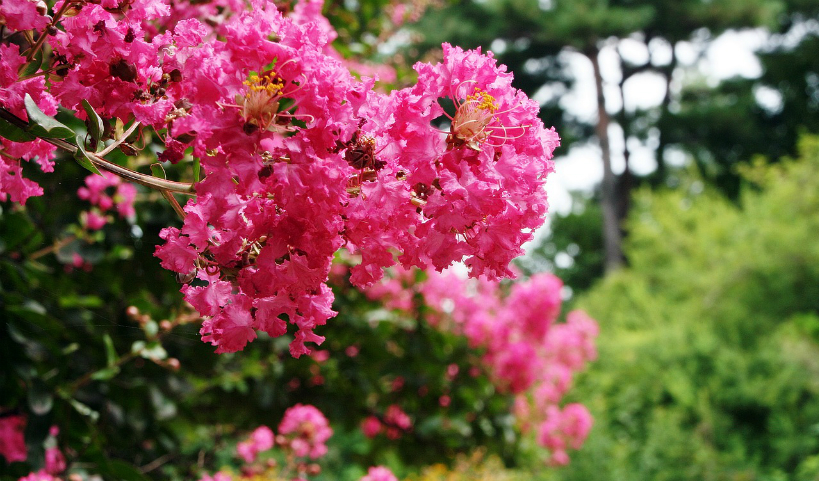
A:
(396, 421)
(12, 441)
(93, 220)
(379, 473)
(219, 476)
(320, 356)
(96, 190)
(40, 475)
(12, 94)
(371, 426)
(24, 14)
(54, 461)
(307, 430)
(260, 440)
(563, 429)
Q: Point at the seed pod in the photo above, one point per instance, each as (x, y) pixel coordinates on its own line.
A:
(123, 70)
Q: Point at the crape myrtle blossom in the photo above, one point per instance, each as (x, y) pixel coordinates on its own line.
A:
(96, 190)
(273, 209)
(260, 440)
(304, 430)
(13, 185)
(12, 438)
(298, 157)
(379, 473)
(526, 352)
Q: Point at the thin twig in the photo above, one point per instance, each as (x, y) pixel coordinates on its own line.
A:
(52, 248)
(99, 162)
(88, 377)
(174, 203)
(40, 41)
(157, 462)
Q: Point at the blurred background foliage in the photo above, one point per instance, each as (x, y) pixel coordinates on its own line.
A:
(708, 352)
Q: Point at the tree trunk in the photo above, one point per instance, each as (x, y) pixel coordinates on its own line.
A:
(612, 238)
(625, 182)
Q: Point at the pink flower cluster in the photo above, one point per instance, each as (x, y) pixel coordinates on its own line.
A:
(526, 352)
(260, 440)
(563, 429)
(12, 438)
(13, 448)
(300, 158)
(305, 431)
(394, 424)
(13, 185)
(96, 192)
(379, 473)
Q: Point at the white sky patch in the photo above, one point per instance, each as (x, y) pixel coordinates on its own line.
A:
(769, 99)
(634, 51)
(732, 54)
(644, 91)
(580, 101)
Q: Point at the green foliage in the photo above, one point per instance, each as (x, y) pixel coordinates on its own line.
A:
(573, 251)
(708, 357)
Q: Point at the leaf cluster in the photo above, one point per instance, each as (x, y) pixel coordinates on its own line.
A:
(708, 357)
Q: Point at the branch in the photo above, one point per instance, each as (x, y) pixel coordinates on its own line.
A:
(52, 248)
(99, 162)
(41, 40)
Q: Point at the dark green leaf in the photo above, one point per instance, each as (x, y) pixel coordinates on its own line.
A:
(82, 157)
(196, 170)
(32, 66)
(110, 352)
(105, 374)
(120, 470)
(42, 125)
(14, 133)
(96, 127)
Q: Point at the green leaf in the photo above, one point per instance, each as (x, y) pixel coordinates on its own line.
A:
(154, 351)
(197, 167)
(123, 471)
(13, 132)
(32, 66)
(84, 410)
(42, 125)
(96, 127)
(105, 373)
(74, 301)
(110, 353)
(82, 158)
(158, 171)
